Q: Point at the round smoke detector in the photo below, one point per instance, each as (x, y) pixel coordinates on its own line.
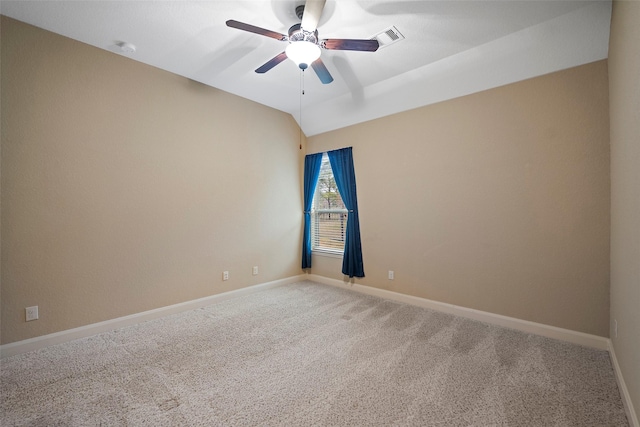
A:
(126, 47)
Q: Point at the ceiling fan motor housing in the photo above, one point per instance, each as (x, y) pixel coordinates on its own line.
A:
(298, 34)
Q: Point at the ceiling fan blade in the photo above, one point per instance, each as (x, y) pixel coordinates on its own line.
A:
(312, 12)
(350, 44)
(321, 70)
(257, 30)
(271, 63)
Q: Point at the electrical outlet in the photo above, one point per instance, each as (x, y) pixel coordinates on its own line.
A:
(255, 270)
(391, 275)
(31, 313)
(225, 275)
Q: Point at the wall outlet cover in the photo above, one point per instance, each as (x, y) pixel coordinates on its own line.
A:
(31, 313)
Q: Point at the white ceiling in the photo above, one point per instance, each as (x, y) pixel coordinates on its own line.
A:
(451, 48)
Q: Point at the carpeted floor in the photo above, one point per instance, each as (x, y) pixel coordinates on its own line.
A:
(308, 354)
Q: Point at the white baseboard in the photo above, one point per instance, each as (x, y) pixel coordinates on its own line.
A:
(624, 392)
(587, 340)
(36, 343)
(496, 319)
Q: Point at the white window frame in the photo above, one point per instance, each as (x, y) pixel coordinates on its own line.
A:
(315, 212)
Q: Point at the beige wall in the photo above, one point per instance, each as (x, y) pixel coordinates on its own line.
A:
(624, 87)
(126, 188)
(498, 201)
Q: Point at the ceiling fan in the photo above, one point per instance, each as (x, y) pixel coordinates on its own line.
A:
(304, 44)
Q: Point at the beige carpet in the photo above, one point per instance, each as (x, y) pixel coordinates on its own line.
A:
(308, 354)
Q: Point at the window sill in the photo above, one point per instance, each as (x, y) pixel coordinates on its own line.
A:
(327, 253)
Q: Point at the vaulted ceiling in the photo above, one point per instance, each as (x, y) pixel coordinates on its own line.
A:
(446, 48)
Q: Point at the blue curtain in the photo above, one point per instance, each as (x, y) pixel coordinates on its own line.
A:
(312, 163)
(345, 176)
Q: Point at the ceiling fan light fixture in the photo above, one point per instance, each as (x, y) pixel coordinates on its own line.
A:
(303, 53)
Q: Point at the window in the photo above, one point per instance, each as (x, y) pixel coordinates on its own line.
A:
(328, 213)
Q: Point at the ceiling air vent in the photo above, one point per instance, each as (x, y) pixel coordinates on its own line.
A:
(388, 37)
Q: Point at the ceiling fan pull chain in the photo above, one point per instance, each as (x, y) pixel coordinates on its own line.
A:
(301, 93)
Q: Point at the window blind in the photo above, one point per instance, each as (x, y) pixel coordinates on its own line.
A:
(328, 213)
